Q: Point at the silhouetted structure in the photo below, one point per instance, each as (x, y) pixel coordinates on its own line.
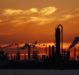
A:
(6, 56)
(35, 56)
(29, 49)
(44, 58)
(18, 55)
(29, 52)
(74, 53)
(76, 40)
(68, 55)
(59, 39)
(2, 56)
(57, 57)
(50, 52)
(53, 52)
(64, 54)
(24, 56)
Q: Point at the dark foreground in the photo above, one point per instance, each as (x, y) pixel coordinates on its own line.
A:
(39, 65)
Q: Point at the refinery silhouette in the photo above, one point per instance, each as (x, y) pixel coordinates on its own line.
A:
(57, 57)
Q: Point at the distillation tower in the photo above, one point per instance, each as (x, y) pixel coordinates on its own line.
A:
(59, 41)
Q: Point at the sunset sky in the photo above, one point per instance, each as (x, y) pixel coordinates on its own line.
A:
(30, 20)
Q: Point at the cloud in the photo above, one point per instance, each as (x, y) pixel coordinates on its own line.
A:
(34, 10)
(11, 12)
(36, 16)
(40, 16)
(48, 11)
(15, 12)
(66, 17)
(44, 11)
(40, 20)
(18, 22)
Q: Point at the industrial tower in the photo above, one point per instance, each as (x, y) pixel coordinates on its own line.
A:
(59, 41)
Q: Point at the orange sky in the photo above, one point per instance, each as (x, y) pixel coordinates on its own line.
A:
(30, 20)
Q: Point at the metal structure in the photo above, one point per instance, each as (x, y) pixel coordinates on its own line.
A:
(76, 40)
(59, 40)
